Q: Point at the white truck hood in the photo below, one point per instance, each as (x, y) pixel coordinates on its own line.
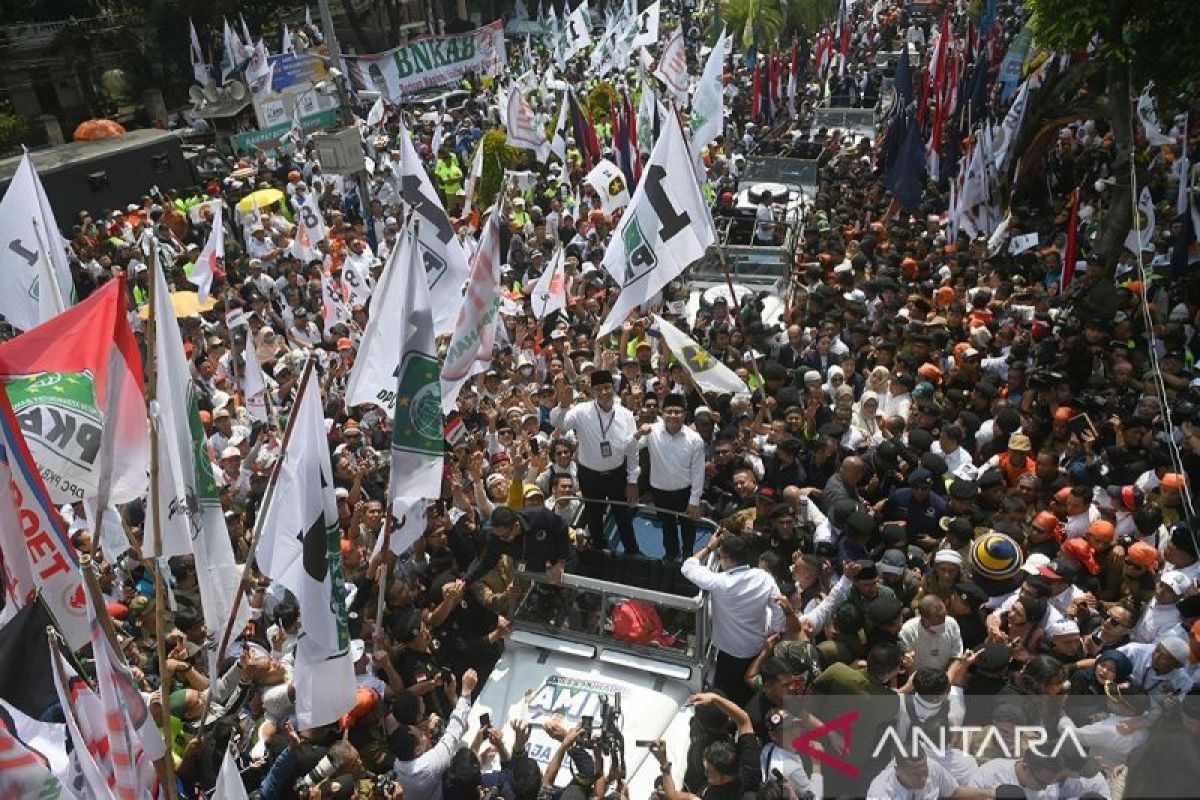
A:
(533, 684)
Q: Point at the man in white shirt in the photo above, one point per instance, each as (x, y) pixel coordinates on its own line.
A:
(676, 474)
(1034, 773)
(778, 757)
(958, 460)
(764, 220)
(420, 768)
(932, 637)
(744, 609)
(915, 778)
(607, 455)
(1160, 668)
(1161, 616)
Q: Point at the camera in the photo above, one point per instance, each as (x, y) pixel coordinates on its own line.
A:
(1044, 378)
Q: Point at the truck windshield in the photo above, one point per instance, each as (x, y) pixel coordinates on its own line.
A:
(614, 616)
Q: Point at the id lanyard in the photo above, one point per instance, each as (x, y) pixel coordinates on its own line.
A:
(605, 445)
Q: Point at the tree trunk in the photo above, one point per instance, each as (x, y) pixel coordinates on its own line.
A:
(1119, 216)
(360, 38)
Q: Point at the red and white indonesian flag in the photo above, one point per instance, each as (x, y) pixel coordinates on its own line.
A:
(75, 384)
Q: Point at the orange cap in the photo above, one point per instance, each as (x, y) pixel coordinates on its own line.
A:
(1081, 551)
(930, 372)
(1144, 555)
(1173, 480)
(1062, 494)
(1062, 414)
(1046, 521)
(345, 344)
(1102, 529)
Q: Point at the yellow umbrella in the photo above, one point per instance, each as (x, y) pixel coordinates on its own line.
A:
(262, 198)
(186, 304)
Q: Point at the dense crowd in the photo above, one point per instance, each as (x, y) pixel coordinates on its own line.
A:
(950, 498)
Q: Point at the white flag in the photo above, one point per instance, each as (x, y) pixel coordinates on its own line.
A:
(411, 514)
(1019, 244)
(666, 227)
(334, 310)
(310, 229)
(300, 548)
(286, 46)
(470, 349)
(205, 268)
(1141, 235)
(1149, 119)
(254, 383)
(576, 34)
(708, 373)
(523, 130)
(134, 741)
(376, 364)
(376, 114)
(260, 72)
(549, 293)
(234, 53)
(199, 68)
(558, 145)
(441, 252)
(672, 67)
(229, 780)
(28, 232)
(609, 182)
(646, 26)
(473, 177)
(707, 119)
(191, 518)
(81, 707)
(418, 440)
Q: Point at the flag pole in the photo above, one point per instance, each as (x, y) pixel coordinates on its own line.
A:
(160, 623)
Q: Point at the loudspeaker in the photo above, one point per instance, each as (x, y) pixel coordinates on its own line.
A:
(98, 181)
(161, 162)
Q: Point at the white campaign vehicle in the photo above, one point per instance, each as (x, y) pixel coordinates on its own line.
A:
(757, 267)
(572, 654)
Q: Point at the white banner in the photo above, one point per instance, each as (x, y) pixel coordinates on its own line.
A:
(428, 61)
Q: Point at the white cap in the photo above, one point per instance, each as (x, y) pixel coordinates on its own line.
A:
(1035, 562)
(1062, 627)
(1176, 581)
(948, 556)
(358, 649)
(1177, 647)
(220, 400)
(230, 452)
